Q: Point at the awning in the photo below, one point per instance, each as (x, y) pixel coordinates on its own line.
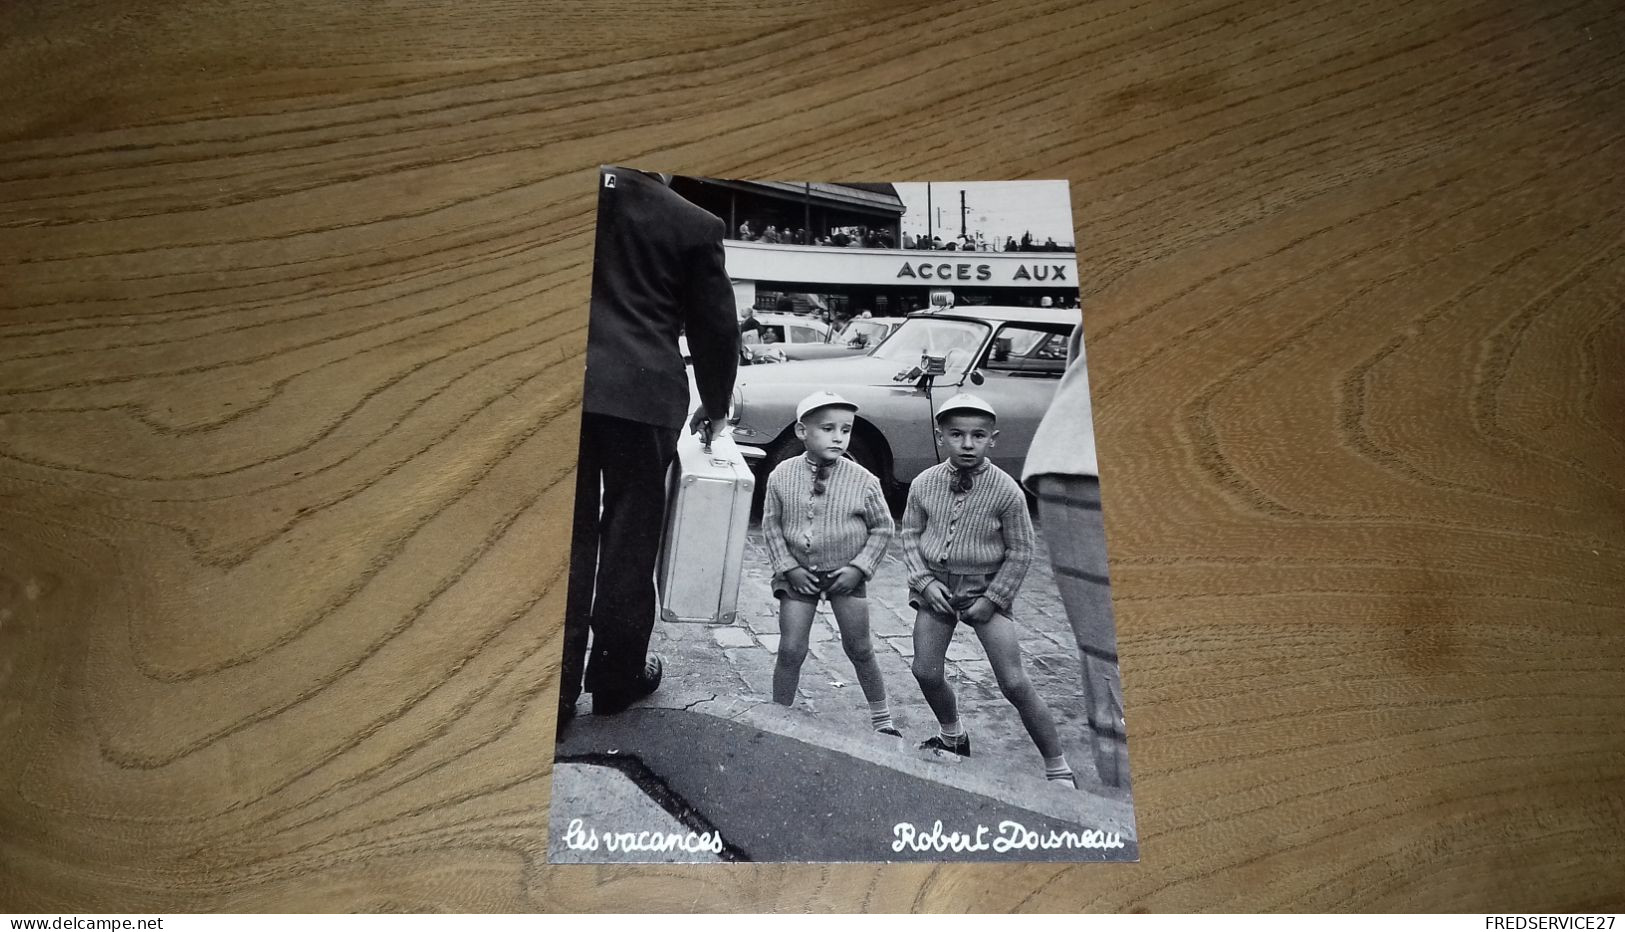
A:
(820, 194)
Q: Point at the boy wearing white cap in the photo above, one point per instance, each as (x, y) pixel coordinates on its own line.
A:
(826, 526)
(968, 543)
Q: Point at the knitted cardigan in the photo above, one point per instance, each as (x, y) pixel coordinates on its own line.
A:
(847, 525)
(986, 530)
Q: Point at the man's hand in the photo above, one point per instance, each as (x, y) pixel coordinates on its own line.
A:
(702, 424)
(938, 598)
(801, 581)
(849, 578)
(979, 612)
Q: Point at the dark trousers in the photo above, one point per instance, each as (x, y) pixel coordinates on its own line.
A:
(620, 509)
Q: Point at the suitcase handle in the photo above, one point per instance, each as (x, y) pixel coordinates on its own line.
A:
(715, 460)
(705, 445)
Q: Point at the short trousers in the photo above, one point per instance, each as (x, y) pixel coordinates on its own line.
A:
(782, 590)
(963, 588)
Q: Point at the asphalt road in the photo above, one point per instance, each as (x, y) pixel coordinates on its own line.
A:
(778, 798)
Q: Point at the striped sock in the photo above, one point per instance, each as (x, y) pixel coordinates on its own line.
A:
(1056, 768)
(952, 732)
(880, 716)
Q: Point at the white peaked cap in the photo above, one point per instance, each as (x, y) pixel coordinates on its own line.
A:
(822, 399)
(965, 402)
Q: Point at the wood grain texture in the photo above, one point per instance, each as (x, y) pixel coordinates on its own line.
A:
(292, 305)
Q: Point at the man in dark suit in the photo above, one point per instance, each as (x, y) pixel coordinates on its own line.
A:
(658, 271)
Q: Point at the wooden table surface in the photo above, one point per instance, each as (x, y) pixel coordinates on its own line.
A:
(292, 307)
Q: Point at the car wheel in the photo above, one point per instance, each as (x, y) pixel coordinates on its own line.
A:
(869, 453)
(865, 456)
(788, 447)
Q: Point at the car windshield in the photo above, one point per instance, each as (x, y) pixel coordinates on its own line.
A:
(929, 336)
(863, 333)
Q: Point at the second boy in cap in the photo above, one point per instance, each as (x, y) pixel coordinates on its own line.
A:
(825, 525)
(968, 543)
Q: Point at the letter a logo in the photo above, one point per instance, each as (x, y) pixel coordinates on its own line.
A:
(609, 180)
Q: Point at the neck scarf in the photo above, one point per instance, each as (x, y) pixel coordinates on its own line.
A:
(820, 473)
(963, 480)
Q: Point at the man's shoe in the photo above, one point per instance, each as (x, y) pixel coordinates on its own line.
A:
(617, 700)
(938, 743)
(889, 731)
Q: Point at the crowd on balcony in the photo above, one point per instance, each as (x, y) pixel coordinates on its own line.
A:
(977, 243)
(868, 238)
(871, 239)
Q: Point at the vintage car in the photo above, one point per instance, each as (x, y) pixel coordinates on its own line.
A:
(859, 337)
(788, 331)
(1012, 357)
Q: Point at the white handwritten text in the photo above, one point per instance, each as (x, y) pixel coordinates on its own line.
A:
(1012, 836)
(578, 837)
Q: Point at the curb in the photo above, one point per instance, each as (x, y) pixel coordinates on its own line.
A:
(1092, 805)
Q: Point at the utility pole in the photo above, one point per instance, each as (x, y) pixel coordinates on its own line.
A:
(928, 215)
(962, 212)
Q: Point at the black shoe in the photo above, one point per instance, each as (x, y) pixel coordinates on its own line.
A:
(938, 743)
(619, 699)
(890, 731)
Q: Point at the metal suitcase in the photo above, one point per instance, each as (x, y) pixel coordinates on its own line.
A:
(703, 547)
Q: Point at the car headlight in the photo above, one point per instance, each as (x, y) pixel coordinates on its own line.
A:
(736, 416)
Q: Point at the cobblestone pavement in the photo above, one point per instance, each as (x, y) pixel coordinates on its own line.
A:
(738, 659)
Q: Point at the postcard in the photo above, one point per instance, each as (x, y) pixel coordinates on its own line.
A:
(838, 586)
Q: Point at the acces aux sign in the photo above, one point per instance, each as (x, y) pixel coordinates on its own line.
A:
(967, 271)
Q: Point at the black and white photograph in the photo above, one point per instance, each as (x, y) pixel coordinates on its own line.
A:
(838, 587)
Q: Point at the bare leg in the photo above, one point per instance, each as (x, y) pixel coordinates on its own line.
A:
(932, 633)
(1003, 646)
(795, 625)
(852, 617)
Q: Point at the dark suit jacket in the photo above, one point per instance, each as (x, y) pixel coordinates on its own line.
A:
(658, 269)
